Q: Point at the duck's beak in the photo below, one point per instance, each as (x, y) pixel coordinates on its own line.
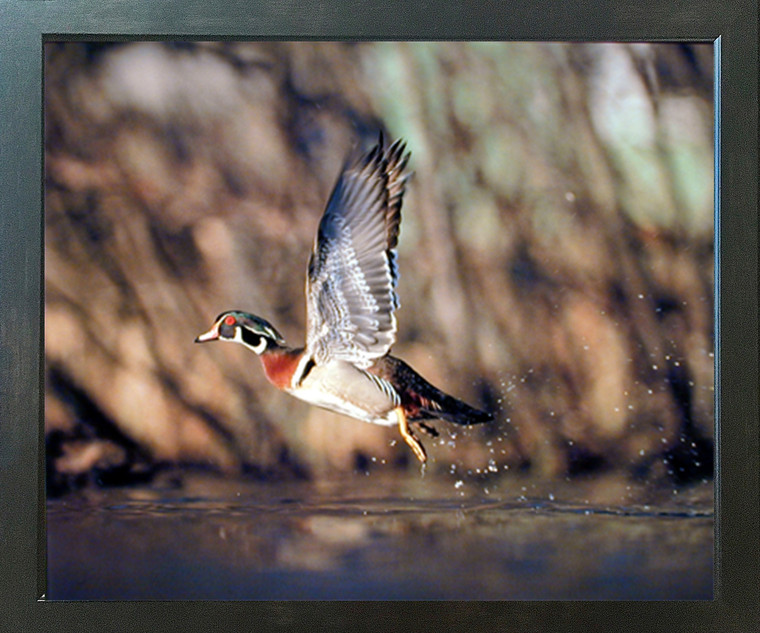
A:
(211, 335)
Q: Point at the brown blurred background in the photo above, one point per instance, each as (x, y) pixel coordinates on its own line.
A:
(556, 252)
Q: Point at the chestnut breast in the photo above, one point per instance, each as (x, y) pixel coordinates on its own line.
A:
(280, 365)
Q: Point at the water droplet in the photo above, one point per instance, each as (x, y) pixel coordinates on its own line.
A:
(458, 484)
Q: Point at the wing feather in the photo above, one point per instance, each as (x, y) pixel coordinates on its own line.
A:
(352, 276)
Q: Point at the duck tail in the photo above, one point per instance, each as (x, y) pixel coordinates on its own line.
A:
(422, 400)
(451, 409)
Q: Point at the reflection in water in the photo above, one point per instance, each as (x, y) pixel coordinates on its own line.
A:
(373, 538)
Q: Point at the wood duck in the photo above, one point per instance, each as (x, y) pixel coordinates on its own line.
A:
(351, 297)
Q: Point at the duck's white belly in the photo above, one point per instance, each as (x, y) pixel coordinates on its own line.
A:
(337, 386)
(332, 403)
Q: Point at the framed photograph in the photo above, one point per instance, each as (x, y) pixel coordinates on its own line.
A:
(521, 381)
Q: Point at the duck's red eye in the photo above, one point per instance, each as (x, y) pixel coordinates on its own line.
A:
(230, 320)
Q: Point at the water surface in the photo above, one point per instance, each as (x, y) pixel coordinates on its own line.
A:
(380, 537)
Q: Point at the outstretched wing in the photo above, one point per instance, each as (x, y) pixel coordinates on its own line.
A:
(351, 283)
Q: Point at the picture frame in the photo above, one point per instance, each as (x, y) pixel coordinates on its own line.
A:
(731, 26)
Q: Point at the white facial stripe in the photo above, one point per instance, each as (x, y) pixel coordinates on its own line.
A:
(259, 349)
